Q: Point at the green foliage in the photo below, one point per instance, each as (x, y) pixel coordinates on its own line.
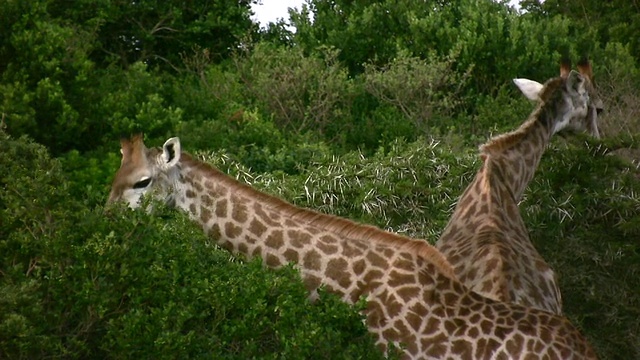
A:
(306, 94)
(359, 29)
(208, 91)
(135, 102)
(372, 111)
(618, 87)
(301, 93)
(157, 33)
(82, 282)
(408, 186)
(421, 90)
(44, 73)
(486, 42)
(254, 142)
(57, 82)
(346, 77)
(611, 21)
(583, 212)
(376, 124)
(499, 114)
(89, 175)
(536, 46)
(476, 30)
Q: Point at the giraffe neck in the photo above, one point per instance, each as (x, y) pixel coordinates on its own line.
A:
(328, 250)
(515, 155)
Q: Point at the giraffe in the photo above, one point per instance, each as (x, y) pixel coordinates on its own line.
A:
(413, 300)
(486, 240)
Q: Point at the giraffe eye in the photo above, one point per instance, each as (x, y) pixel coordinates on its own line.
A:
(142, 183)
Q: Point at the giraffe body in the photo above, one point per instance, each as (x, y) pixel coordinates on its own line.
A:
(413, 299)
(486, 240)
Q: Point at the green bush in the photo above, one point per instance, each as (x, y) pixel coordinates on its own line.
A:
(44, 75)
(135, 100)
(583, 211)
(301, 93)
(256, 143)
(79, 282)
(420, 89)
(502, 113)
(89, 175)
(617, 79)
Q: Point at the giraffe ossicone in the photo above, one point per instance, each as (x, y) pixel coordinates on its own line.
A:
(413, 299)
(486, 240)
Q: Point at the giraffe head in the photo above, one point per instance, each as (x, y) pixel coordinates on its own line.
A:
(143, 170)
(574, 95)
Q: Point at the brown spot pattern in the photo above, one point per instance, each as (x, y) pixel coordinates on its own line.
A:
(257, 228)
(312, 282)
(337, 271)
(274, 240)
(221, 208)
(298, 239)
(327, 249)
(205, 215)
(376, 260)
(206, 200)
(214, 232)
(273, 261)
(311, 260)
(264, 216)
(231, 230)
(239, 211)
(291, 255)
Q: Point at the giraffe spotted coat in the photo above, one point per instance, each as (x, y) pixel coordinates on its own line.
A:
(486, 240)
(413, 300)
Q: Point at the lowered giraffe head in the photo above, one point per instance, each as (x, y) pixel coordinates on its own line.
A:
(574, 94)
(145, 171)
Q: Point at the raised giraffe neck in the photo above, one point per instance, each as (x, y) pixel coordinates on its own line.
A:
(486, 240)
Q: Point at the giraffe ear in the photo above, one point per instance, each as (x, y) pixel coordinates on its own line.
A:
(530, 89)
(171, 152)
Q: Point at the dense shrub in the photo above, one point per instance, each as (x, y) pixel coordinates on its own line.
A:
(79, 282)
(583, 212)
(420, 89)
(504, 112)
(617, 79)
(302, 93)
(351, 114)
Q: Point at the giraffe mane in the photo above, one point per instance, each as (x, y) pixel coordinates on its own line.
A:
(507, 140)
(337, 225)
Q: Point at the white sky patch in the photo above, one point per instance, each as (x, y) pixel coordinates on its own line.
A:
(272, 10)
